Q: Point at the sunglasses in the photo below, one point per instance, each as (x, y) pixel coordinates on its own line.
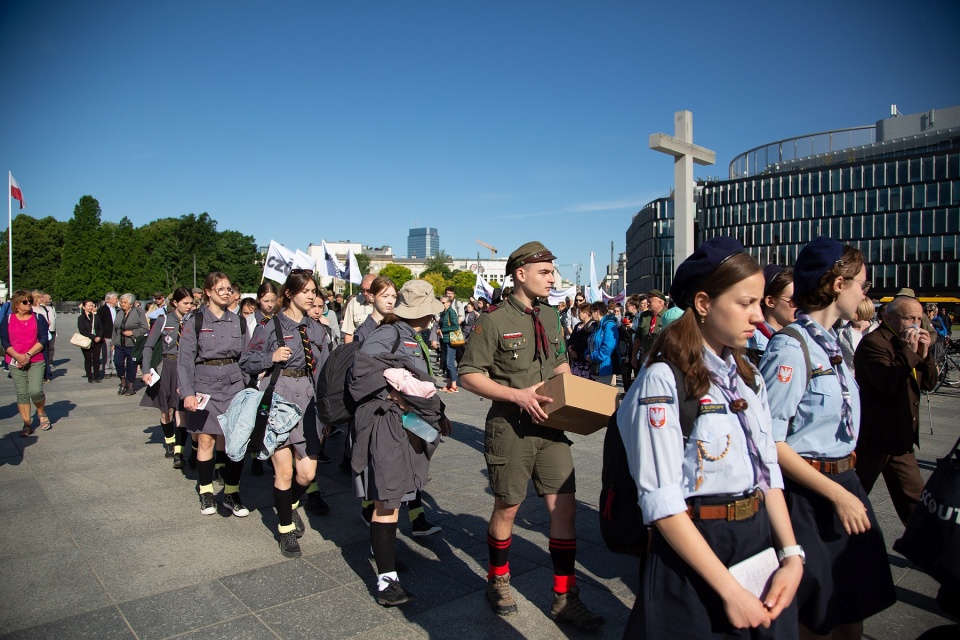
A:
(309, 272)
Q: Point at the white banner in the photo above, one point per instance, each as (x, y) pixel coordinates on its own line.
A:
(482, 289)
(303, 261)
(330, 267)
(353, 269)
(279, 262)
(559, 295)
(620, 297)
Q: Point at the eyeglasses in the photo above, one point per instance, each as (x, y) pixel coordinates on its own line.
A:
(26, 302)
(789, 301)
(223, 290)
(864, 284)
(309, 272)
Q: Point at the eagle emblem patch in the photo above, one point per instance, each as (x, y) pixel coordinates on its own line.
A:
(784, 373)
(657, 416)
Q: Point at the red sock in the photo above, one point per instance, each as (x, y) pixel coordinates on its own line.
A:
(499, 552)
(564, 556)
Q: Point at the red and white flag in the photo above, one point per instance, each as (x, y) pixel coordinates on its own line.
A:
(15, 192)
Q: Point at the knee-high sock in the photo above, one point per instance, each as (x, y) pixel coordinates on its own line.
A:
(383, 539)
(205, 475)
(499, 556)
(181, 437)
(282, 503)
(415, 506)
(221, 459)
(231, 476)
(167, 428)
(296, 492)
(564, 556)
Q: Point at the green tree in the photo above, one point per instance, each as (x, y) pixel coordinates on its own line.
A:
(398, 273)
(438, 264)
(37, 252)
(363, 261)
(81, 274)
(463, 283)
(236, 255)
(437, 281)
(124, 262)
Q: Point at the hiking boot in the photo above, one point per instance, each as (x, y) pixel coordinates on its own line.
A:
(289, 546)
(367, 514)
(178, 461)
(316, 504)
(421, 527)
(256, 467)
(568, 607)
(500, 596)
(232, 502)
(168, 453)
(208, 504)
(393, 595)
(298, 527)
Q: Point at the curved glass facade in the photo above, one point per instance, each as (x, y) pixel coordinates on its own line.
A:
(775, 155)
(650, 248)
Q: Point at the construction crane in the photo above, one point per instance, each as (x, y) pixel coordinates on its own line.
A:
(493, 250)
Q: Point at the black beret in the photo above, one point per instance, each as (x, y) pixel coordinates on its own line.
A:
(814, 260)
(694, 270)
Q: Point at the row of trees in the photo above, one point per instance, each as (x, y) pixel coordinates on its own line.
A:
(438, 274)
(85, 257)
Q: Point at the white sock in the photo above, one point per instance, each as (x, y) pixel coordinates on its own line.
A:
(382, 579)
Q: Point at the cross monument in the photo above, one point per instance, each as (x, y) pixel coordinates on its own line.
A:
(685, 153)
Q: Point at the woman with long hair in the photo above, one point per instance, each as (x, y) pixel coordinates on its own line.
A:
(208, 378)
(162, 395)
(691, 477)
(816, 421)
(266, 300)
(24, 336)
(88, 325)
(297, 350)
(777, 306)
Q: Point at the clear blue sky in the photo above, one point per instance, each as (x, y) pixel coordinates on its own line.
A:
(503, 121)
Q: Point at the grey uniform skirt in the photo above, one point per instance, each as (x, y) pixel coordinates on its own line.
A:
(222, 382)
(305, 437)
(163, 395)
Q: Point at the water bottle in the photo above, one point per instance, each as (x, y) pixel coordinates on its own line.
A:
(418, 426)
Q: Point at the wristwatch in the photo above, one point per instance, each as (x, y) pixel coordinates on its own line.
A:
(793, 550)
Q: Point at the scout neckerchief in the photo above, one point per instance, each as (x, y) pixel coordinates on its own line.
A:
(764, 328)
(653, 324)
(307, 351)
(425, 350)
(542, 344)
(728, 386)
(845, 430)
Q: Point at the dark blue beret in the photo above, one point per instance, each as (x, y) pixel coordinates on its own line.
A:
(769, 273)
(814, 260)
(694, 270)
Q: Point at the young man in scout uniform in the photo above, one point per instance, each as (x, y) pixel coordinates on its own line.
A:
(512, 350)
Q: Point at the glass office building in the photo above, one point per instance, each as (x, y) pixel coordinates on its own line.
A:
(650, 248)
(891, 189)
(423, 243)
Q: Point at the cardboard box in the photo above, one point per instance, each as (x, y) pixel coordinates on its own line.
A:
(579, 405)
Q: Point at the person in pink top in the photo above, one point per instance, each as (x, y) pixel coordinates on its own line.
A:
(24, 336)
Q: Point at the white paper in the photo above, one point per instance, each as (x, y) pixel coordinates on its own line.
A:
(202, 400)
(755, 572)
(154, 377)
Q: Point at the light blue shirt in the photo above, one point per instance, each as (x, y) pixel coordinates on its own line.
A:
(156, 313)
(665, 468)
(759, 341)
(807, 417)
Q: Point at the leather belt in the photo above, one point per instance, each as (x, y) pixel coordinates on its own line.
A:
(220, 362)
(295, 373)
(506, 407)
(833, 467)
(737, 510)
(170, 356)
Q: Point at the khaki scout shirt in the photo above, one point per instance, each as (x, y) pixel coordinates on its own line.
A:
(502, 346)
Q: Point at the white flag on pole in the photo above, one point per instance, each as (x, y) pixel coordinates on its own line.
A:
(482, 289)
(559, 295)
(353, 269)
(302, 260)
(279, 262)
(330, 267)
(595, 295)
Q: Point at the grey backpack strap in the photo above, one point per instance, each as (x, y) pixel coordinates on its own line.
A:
(794, 333)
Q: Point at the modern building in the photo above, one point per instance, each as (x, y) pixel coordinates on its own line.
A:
(891, 189)
(423, 242)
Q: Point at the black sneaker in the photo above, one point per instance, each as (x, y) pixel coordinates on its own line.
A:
(289, 546)
(178, 461)
(421, 527)
(208, 504)
(393, 595)
(168, 450)
(367, 514)
(323, 458)
(316, 504)
(232, 502)
(298, 526)
(256, 467)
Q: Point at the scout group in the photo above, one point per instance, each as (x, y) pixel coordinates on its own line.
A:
(768, 462)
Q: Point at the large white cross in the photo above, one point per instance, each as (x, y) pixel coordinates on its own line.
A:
(685, 153)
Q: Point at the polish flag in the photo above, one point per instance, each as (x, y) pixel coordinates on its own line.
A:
(15, 192)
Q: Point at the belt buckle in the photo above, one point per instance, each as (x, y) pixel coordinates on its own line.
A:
(743, 509)
(843, 465)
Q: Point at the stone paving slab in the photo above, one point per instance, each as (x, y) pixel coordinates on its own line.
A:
(101, 538)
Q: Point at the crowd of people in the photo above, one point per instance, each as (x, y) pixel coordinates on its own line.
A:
(803, 397)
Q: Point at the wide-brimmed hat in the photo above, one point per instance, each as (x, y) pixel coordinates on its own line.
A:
(416, 300)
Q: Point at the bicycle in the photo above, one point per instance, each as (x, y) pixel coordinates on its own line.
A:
(947, 358)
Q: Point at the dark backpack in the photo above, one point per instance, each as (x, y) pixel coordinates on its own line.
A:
(334, 402)
(621, 519)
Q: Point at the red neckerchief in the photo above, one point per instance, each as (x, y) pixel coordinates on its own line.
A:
(764, 328)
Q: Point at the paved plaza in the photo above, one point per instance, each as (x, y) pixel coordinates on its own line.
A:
(101, 538)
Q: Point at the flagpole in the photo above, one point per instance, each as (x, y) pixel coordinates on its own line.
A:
(10, 234)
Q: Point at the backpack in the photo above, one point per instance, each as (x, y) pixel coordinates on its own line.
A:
(621, 519)
(794, 333)
(334, 402)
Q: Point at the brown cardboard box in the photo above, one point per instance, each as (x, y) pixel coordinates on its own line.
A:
(579, 405)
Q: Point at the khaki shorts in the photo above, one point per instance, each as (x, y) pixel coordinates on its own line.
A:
(517, 451)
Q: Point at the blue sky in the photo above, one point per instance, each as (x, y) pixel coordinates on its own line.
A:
(499, 121)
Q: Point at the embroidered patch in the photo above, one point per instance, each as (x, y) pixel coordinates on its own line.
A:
(784, 373)
(169, 328)
(512, 336)
(657, 416)
(168, 339)
(655, 400)
(206, 330)
(706, 400)
(716, 407)
(816, 373)
(477, 328)
(285, 338)
(412, 344)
